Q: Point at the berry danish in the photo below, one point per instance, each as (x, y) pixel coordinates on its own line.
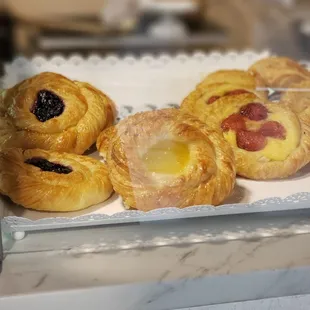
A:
(242, 80)
(51, 181)
(269, 140)
(51, 112)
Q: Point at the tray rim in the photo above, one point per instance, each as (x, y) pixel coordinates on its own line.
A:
(296, 201)
(14, 223)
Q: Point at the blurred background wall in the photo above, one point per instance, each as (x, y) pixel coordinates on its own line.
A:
(28, 27)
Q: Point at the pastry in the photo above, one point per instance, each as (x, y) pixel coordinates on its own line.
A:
(200, 101)
(51, 181)
(51, 112)
(279, 72)
(268, 139)
(298, 97)
(166, 158)
(243, 80)
(104, 140)
(298, 100)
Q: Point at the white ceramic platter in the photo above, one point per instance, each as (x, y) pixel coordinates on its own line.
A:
(144, 84)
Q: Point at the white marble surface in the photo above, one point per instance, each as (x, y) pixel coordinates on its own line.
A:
(299, 302)
(80, 267)
(109, 262)
(184, 293)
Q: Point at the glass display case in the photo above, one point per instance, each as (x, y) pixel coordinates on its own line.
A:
(156, 148)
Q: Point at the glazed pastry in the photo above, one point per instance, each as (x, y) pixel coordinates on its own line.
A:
(104, 140)
(241, 81)
(279, 72)
(268, 139)
(165, 158)
(50, 181)
(52, 112)
(200, 101)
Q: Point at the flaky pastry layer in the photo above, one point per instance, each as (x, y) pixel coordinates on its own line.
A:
(266, 163)
(28, 185)
(279, 72)
(208, 177)
(87, 111)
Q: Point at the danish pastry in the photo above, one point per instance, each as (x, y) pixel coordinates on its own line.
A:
(243, 80)
(298, 98)
(50, 181)
(202, 99)
(268, 139)
(104, 140)
(51, 112)
(279, 72)
(166, 158)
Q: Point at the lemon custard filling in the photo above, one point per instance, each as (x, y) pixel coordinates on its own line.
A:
(167, 157)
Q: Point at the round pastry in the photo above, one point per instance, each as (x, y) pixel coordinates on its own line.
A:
(268, 139)
(51, 112)
(279, 72)
(242, 81)
(50, 181)
(165, 158)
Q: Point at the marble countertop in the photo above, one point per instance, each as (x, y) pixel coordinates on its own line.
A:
(172, 276)
(264, 268)
(69, 269)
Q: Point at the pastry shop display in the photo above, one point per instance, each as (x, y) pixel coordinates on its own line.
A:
(166, 158)
(187, 156)
(52, 181)
(279, 72)
(269, 140)
(52, 112)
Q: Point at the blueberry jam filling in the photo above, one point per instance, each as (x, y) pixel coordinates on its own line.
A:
(47, 105)
(46, 165)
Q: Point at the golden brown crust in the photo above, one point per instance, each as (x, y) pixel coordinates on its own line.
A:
(108, 104)
(279, 72)
(29, 186)
(196, 103)
(104, 140)
(252, 164)
(298, 98)
(208, 178)
(87, 112)
(239, 78)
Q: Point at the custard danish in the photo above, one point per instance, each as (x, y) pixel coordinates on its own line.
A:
(165, 158)
(269, 140)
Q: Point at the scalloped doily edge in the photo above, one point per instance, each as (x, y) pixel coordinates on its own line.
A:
(292, 202)
(148, 59)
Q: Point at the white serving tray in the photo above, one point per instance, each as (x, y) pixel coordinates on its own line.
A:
(144, 84)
